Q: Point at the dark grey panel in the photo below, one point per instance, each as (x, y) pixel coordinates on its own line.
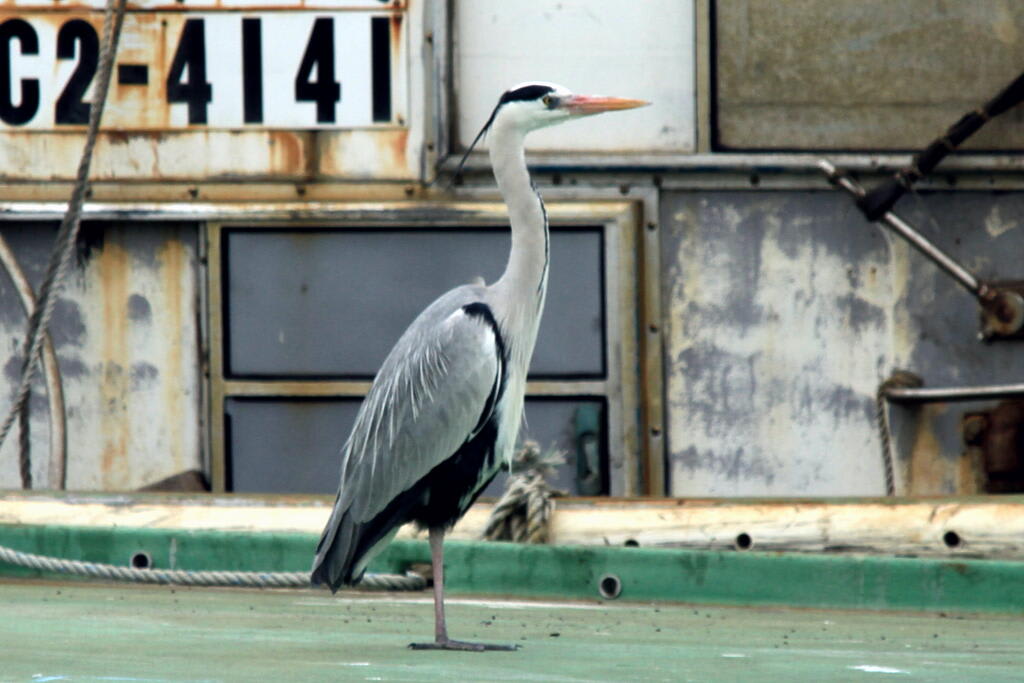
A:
(293, 446)
(333, 303)
(286, 446)
(985, 231)
(862, 74)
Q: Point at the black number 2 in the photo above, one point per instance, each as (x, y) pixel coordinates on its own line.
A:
(70, 108)
(191, 53)
(325, 90)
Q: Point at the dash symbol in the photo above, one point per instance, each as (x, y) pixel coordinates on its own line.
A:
(132, 74)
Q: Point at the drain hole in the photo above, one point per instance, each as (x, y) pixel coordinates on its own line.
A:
(744, 541)
(951, 539)
(141, 560)
(610, 587)
(631, 543)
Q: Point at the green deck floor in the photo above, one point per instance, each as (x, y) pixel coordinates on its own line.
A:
(98, 632)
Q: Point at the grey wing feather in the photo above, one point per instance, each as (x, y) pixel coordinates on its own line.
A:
(424, 404)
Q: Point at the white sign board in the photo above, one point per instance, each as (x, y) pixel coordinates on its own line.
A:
(206, 70)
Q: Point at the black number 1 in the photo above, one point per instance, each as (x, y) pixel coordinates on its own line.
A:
(325, 90)
(191, 54)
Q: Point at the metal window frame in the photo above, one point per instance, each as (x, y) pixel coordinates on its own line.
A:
(633, 462)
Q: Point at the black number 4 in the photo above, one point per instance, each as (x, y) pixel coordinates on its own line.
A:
(191, 53)
(325, 90)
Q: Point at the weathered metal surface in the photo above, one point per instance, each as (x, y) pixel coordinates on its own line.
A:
(603, 47)
(148, 138)
(126, 336)
(995, 439)
(56, 417)
(777, 327)
(785, 311)
(935, 324)
(856, 74)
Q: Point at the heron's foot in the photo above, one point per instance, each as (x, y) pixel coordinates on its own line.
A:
(448, 644)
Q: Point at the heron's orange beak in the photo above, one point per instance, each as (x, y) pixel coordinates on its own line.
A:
(585, 105)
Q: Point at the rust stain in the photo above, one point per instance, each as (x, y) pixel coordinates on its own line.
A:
(396, 34)
(286, 152)
(175, 387)
(112, 266)
(399, 145)
(929, 472)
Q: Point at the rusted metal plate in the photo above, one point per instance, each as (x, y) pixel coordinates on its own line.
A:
(127, 340)
(784, 312)
(777, 324)
(301, 156)
(214, 95)
(206, 70)
(861, 74)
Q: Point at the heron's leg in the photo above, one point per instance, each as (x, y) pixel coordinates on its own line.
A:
(441, 639)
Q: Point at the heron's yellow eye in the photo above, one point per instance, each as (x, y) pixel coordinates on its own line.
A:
(548, 101)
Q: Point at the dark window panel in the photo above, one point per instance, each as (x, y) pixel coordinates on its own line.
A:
(294, 445)
(331, 304)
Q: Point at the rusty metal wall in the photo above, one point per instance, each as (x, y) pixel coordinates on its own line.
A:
(783, 313)
(127, 340)
(936, 325)
(862, 74)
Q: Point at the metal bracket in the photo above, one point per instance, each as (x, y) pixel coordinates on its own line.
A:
(1002, 305)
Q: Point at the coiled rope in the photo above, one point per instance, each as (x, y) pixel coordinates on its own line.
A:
(66, 237)
(898, 379)
(524, 512)
(181, 577)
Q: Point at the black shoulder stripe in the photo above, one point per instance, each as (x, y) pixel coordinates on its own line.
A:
(482, 310)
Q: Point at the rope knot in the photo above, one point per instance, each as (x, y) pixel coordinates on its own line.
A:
(523, 513)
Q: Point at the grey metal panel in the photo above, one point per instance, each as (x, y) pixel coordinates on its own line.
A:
(126, 337)
(333, 303)
(862, 74)
(293, 445)
(286, 446)
(985, 232)
(937, 324)
(777, 330)
(784, 311)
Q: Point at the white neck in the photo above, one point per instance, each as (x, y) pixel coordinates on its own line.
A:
(523, 285)
(525, 274)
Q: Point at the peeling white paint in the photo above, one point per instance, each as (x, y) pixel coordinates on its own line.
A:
(996, 224)
(776, 339)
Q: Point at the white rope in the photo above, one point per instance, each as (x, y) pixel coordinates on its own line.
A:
(181, 577)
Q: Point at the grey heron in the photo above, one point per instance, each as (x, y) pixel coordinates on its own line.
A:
(443, 412)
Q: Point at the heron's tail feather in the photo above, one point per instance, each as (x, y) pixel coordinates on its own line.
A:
(336, 552)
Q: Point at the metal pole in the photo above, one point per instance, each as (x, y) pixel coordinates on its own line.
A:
(979, 289)
(934, 395)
